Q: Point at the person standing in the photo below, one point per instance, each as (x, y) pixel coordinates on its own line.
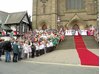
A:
(37, 49)
(41, 47)
(33, 49)
(1, 49)
(7, 48)
(26, 50)
(15, 51)
(20, 50)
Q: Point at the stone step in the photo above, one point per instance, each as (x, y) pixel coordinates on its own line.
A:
(69, 43)
(90, 42)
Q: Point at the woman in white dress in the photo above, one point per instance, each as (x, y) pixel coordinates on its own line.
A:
(26, 49)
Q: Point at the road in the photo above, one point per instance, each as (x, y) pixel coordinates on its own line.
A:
(24, 67)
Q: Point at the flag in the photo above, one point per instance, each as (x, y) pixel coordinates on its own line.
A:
(14, 32)
(3, 32)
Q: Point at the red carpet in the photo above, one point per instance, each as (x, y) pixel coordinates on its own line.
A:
(86, 57)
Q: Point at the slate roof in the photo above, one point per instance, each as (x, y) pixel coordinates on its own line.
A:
(10, 18)
(15, 17)
(3, 16)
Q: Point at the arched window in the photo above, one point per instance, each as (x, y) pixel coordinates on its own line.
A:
(75, 4)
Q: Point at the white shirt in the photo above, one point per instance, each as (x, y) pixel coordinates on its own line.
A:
(37, 46)
(50, 44)
(41, 46)
(26, 48)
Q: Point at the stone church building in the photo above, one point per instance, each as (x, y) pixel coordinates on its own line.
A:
(70, 14)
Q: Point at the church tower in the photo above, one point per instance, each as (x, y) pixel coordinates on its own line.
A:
(54, 14)
(44, 14)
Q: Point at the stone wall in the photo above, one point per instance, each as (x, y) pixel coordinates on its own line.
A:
(55, 8)
(50, 15)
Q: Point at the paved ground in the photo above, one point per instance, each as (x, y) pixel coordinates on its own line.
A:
(59, 56)
(95, 51)
(40, 68)
(69, 57)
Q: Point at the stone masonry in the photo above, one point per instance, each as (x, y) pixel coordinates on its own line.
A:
(46, 12)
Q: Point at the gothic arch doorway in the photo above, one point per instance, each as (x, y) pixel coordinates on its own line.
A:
(75, 27)
(43, 26)
(76, 21)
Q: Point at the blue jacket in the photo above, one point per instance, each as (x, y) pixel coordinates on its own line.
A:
(15, 48)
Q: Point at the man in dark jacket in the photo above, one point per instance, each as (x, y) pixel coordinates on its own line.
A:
(33, 49)
(8, 48)
(1, 49)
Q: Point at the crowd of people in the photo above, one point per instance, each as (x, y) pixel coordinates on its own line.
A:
(96, 34)
(90, 31)
(32, 44)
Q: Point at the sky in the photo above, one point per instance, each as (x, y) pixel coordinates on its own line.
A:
(16, 6)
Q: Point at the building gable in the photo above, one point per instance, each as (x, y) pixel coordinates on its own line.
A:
(25, 19)
(15, 18)
(76, 17)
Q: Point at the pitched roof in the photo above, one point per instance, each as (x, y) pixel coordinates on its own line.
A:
(3, 16)
(15, 17)
(10, 18)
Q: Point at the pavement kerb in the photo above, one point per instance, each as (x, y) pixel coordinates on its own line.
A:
(76, 65)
